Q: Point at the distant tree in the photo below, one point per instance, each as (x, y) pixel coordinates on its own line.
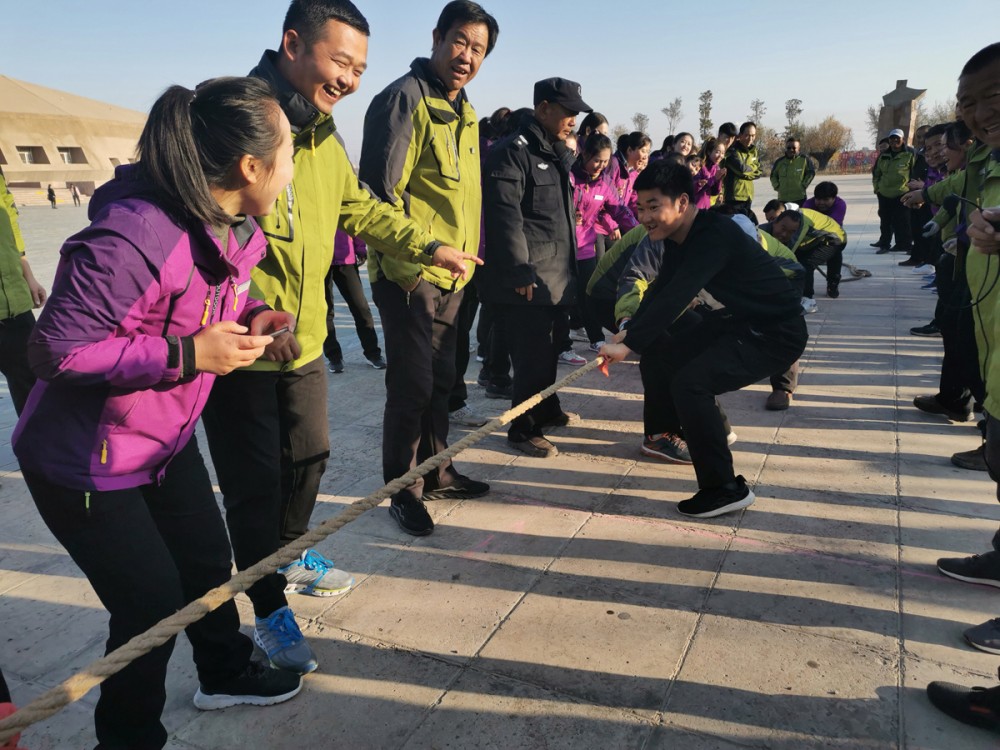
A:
(673, 113)
(825, 140)
(705, 125)
(871, 123)
(938, 112)
(757, 111)
(641, 122)
(618, 131)
(770, 143)
(793, 109)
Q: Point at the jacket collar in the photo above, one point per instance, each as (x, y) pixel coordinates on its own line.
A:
(531, 126)
(300, 111)
(431, 86)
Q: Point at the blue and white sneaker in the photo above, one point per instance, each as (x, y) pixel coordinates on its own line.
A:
(314, 574)
(279, 637)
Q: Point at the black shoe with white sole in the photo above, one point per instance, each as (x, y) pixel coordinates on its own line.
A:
(257, 685)
(716, 501)
(984, 568)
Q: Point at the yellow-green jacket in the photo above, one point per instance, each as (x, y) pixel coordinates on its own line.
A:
(892, 172)
(817, 228)
(421, 153)
(791, 177)
(983, 271)
(324, 195)
(15, 297)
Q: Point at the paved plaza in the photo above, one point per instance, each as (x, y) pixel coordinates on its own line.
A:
(572, 607)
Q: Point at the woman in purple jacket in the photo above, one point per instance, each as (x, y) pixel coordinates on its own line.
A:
(149, 304)
(597, 204)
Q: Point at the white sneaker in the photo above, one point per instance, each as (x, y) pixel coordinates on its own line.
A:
(731, 438)
(579, 334)
(809, 305)
(925, 268)
(313, 574)
(466, 416)
(571, 358)
(596, 346)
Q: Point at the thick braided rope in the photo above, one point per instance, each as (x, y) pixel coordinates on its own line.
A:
(74, 688)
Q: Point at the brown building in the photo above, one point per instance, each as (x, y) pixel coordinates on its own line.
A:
(50, 137)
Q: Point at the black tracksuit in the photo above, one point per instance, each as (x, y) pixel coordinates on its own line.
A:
(763, 333)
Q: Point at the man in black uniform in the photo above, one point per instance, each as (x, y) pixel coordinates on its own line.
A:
(762, 333)
(531, 250)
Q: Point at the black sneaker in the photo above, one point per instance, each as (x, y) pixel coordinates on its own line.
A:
(504, 392)
(377, 362)
(877, 244)
(561, 419)
(482, 379)
(411, 515)
(984, 568)
(973, 460)
(535, 446)
(462, 488)
(985, 637)
(666, 447)
(257, 685)
(882, 249)
(336, 366)
(714, 502)
(931, 405)
(929, 330)
(976, 706)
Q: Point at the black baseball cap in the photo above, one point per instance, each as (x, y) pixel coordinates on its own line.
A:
(561, 91)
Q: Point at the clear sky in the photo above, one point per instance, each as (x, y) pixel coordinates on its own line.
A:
(838, 56)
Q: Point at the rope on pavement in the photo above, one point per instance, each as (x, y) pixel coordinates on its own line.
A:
(77, 686)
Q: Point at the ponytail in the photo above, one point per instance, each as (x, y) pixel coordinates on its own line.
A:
(193, 140)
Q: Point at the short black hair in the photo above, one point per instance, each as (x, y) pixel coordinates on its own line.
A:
(462, 12)
(956, 134)
(982, 59)
(634, 140)
(746, 126)
(595, 144)
(793, 215)
(825, 190)
(670, 178)
(727, 129)
(935, 130)
(309, 18)
(774, 205)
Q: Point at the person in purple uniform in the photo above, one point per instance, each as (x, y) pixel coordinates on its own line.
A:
(150, 303)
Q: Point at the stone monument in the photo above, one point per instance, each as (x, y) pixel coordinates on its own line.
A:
(899, 110)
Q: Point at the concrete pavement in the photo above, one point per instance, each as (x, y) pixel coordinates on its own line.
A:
(573, 607)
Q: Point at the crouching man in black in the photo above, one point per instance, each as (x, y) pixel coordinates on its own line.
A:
(762, 332)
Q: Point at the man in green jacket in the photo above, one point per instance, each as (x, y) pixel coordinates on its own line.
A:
(889, 179)
(742, 168)
(421, 153)
(19, 292)
(792, 173)
(267, 424)
(816, 239)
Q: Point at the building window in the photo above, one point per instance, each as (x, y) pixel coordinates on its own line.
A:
(72, 155)
(32, 155)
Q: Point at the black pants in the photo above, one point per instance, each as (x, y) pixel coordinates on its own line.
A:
(894, 219)
(348, 282)
(534, 348)
(421, 330)
(684, 374)
(961, 378)
(147, 552)
(269, 437)
(588, 316)
(787, 380)
(14, 334)
(814, 256)
(603, 311)
(496, 355)
(466, 317)
(925, 249)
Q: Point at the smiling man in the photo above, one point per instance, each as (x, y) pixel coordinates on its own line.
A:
(762, 333)
(421, 153)
(267, 425)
